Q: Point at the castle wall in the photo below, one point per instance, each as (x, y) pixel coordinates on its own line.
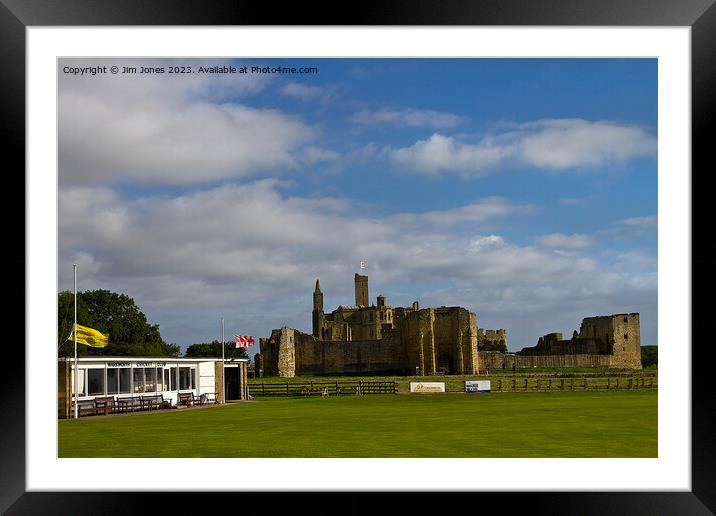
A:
(328, 357)
(494, 360)
(492, 340)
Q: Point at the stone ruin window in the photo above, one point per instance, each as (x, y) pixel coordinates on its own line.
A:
(626, 336)
(626, 318)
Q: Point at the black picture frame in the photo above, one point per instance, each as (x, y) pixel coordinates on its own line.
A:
(699, 15)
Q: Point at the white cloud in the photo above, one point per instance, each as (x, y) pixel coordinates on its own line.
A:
(408, 117)
(647, 222)
(555, 145)
(253, 253)
(179, 130)
(562, 241)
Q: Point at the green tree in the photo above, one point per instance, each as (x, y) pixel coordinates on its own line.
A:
(213, 349)
(649, 355)
(116, 314)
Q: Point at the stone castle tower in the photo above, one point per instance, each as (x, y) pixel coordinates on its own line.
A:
(361, 283)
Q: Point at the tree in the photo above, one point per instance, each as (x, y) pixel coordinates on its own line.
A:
(649, 355)
(213, 349)
(116, 314)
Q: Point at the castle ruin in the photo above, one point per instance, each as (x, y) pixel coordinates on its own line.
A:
(379, 338)
(374, 339)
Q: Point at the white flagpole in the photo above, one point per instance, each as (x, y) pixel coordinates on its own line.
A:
(74, 332)
(223, 372)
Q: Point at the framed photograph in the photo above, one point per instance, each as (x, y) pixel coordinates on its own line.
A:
(513, 180)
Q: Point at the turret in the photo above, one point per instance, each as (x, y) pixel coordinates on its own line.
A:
(318, 297)
(317, 310)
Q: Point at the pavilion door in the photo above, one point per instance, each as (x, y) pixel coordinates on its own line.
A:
(232, 383)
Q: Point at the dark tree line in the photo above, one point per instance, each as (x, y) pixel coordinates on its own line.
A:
(115, 314)
(213, 349)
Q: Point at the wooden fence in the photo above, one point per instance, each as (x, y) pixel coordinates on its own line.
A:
(342, 388)
(516, 384)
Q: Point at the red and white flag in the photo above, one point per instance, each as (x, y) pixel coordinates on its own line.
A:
(243, 341)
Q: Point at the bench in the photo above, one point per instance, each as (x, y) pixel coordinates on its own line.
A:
(128, 404)
(105, 405)
(208, 398)
(154, 401)
(85, 408)
(187, 398)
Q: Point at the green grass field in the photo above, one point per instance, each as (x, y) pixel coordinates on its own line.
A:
(556, 424)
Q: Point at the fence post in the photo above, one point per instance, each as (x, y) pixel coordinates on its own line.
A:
(499, 384)
(550, 384)
(609, 383)
(286, 388)
(263, 389)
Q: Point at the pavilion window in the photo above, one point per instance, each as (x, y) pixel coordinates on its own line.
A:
(80, 384)
(173, 378)
(160, 380)
(166, 379)
(95, 381)
(112, 380)
(184, 379)
(125, 384)
(138, 376)
(150, 376)
(193, 378)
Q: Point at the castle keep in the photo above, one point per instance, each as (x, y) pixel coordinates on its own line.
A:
(375, 338)
(380, 338)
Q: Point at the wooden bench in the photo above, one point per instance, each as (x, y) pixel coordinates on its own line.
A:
(208, 398)
(128, 404)
(84, 408)
(187, 398)
(154, 401)
(105, 405)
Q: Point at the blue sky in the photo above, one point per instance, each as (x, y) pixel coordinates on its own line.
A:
(522, 189)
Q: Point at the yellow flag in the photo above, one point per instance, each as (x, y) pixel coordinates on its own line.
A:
(91, 337)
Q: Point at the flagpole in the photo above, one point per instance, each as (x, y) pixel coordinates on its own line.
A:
(74, 332)
(223, 372)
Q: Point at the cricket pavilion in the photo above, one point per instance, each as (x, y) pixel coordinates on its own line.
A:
(107, 385)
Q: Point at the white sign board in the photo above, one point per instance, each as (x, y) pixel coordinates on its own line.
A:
(477, 386)
(427, 386)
